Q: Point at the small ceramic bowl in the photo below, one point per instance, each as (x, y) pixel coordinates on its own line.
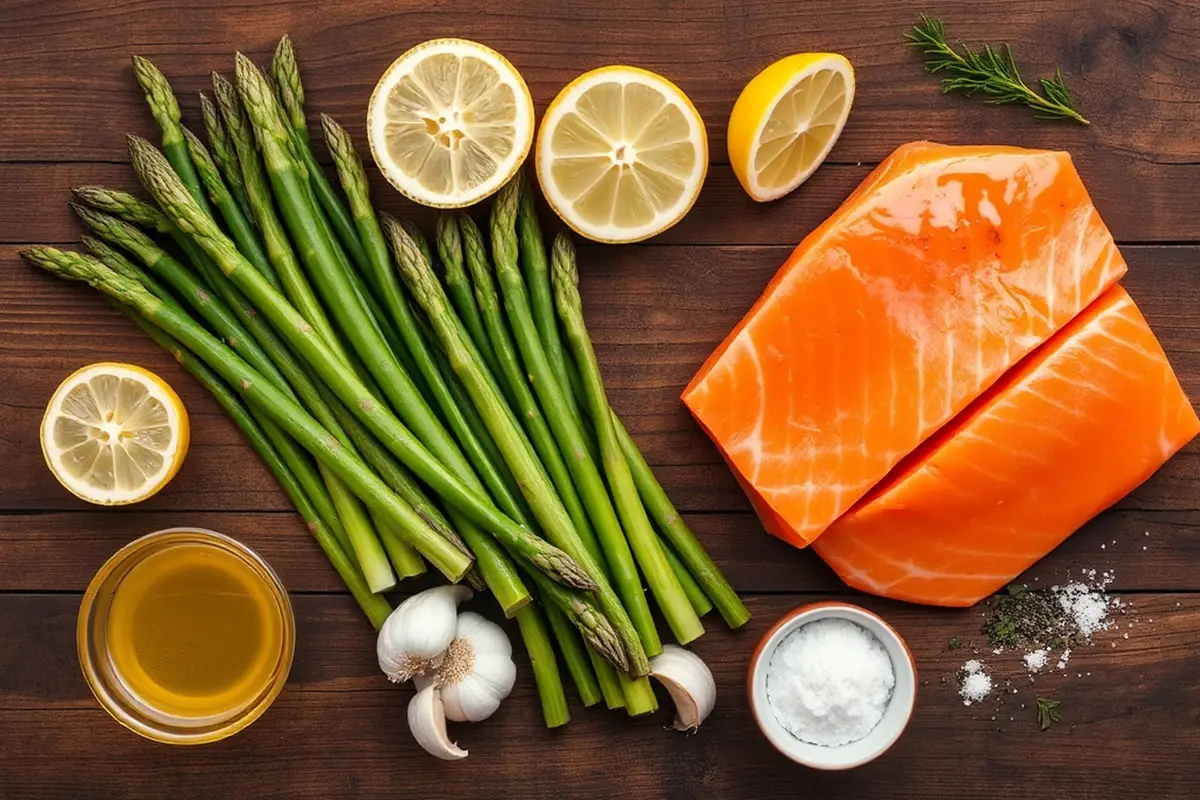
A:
(895, 718)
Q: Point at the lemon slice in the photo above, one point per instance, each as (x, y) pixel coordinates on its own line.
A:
(450, 122)
(786, 120)
(621, 154)
(114, 434)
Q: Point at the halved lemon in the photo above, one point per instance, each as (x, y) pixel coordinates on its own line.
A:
(786, 120)
(621, 154)
(114, 434)
(450, 122)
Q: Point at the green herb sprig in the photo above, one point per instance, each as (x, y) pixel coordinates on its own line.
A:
(1047, 713)
(992, 71)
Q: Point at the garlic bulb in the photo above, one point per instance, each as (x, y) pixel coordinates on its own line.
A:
(427, 721)
(415, 636)
(689, 682)
(477, 671)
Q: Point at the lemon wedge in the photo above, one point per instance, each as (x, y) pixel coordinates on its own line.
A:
(114, 434)
(450, 122)
(621, 154)
(786, 121)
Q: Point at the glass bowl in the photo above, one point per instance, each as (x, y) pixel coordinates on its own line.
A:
(113, 692)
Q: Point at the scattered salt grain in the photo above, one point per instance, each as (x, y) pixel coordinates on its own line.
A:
(1036, 660)
(976, 684)
(1064, 659)
(1088, 609)
(829, 682)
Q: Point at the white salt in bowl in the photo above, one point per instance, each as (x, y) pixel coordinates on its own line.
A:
(882, 736)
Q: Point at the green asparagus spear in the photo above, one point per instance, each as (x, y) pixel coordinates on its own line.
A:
(669, 594)
(302, 468)
(697, 560)
(254, 348)
(223, 153)
(291, 92)
(165, 110)
(534, 263)
(512, 379)
(575, 654)
(696, 596)
(545, 668)
(238, 225)
(374, 606)
(121, 265)
(387, 286)
(355, 320)
(262, 394)
(538, 490)
(458, 287)
(258, 192)
(468, 247)
(288, 86)
(637, 536)
(658, 505)
(167, 189)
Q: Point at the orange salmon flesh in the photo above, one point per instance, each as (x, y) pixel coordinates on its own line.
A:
(941, 272)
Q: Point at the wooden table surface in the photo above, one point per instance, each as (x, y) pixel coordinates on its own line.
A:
(1130, 706)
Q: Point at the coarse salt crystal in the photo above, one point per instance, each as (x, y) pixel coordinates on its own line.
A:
(1087, 609)
(1036, 660)
(975, 687)
(829, 682)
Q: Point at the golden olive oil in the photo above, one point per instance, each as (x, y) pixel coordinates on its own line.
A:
(194, 632)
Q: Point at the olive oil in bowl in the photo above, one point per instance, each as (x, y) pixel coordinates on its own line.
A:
(186, 636)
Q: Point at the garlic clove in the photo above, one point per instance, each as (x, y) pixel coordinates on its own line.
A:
(478, 671)
(485, 635)
(469, 701)
(414, 636)
(427, 721)
(495, 671)
(689, 682)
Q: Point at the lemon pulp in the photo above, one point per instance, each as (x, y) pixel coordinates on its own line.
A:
(450, 122)
(114, 433)
(622, 154)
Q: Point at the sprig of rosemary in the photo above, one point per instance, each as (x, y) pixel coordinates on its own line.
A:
(1047, 713)
(992, 71)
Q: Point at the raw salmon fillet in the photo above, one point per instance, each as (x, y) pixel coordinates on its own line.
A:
(1064, 435)
(943, 269)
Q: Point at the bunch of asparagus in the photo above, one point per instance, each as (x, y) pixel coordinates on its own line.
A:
(458, 419)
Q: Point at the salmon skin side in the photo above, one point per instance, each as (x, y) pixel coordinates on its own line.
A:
(943, 269)
(1065, 434)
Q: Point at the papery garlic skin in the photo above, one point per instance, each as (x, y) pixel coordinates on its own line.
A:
(477, 672)
(427, 721)
(415, 635)
(689, 682)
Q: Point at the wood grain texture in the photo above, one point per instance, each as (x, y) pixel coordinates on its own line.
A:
(67, 98)
(71, 96)
(338, 731)
(648, 350)
(1139, 200)
(1144, 550)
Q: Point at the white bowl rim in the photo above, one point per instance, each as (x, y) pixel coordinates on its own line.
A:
(900, 707)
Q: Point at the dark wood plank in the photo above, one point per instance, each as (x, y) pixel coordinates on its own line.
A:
(338, 730)
(1141, 201)
(648, 349)
(69, 95)
(1144, 550)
